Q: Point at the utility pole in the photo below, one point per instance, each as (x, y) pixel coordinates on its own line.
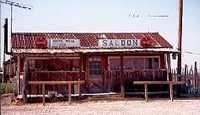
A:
(180, 25)
(15, 4)
(12, 5)
(0, 38)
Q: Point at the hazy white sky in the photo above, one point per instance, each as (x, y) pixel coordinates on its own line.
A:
(111, 16)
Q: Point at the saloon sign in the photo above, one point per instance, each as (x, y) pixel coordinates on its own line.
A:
(119, 43)
(63, 43)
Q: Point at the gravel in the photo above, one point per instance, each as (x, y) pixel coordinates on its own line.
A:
(125, 107)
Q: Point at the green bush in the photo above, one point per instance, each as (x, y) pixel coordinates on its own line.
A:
(7, 88)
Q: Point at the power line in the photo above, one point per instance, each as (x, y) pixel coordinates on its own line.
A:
(15, 4)
(192, 53)
(12, 4)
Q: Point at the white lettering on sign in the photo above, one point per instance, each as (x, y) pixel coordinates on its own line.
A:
(119, 43)
(63, 43)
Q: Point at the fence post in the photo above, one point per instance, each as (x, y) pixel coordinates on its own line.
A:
(195, 75)
(146, 92)
(69, 92)
(186, 72)
(43, 94)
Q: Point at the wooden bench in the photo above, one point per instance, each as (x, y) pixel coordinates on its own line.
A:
(68, 83)
(170, 83)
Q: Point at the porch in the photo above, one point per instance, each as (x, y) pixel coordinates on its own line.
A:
(97, 72)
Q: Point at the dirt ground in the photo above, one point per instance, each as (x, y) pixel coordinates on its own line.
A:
(125, 107)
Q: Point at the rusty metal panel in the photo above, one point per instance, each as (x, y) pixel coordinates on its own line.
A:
(87, 40)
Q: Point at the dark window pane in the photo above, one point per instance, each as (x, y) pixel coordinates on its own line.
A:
(95, 68)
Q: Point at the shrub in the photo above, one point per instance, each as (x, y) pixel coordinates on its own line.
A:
(7, 88)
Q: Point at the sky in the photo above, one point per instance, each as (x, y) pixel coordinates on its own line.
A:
(112, 16)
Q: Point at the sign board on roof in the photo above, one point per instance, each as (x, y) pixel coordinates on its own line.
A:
(63, 43)
(119, 43)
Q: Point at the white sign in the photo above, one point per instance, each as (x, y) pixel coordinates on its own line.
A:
(119, 43)
(63, 43)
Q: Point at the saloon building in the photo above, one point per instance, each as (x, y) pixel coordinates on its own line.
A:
(106, 62)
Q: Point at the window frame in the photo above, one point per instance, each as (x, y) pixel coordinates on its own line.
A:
(95, 60)
(131, 57)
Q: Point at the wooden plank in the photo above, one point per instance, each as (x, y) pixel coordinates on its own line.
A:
(171, 91)
(121, 76)
(57, 72)
(43, 94)
(39, 57)
(24, 85)
(87, 75)
(79, 91)
(18, 75)
(55, 82)
(168, 66)
(80, 73)
(158, 82)
(146, 92)
(69, 93)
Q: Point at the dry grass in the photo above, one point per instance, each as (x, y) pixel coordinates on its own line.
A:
(126, 107)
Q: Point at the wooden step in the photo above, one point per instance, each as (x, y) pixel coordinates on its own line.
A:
(106, 97)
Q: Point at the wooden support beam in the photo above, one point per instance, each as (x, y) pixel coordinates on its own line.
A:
(168, 65)
(146, 92)
(79, 89)
(18, 75)
(55, 82)
(43, 94)
(159, 82)
(69, 92)
(111, 82)
(80, 73)
(24, 89)
(87, 75)
(171, 91)
(121, 76)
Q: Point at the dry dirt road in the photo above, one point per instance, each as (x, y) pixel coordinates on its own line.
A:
(126, 107)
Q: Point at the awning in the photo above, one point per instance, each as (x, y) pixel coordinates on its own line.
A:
(70, 51)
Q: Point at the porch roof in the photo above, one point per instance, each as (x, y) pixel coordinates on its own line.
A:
(70, 51)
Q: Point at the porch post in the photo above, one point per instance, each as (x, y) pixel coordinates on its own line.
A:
(121, 76)
(18, 75)
(171, 90)
(168, 66)
(87, 81)
(80, 73)
(146, 92)
(24, 89)
(69, 92)
(43, 94)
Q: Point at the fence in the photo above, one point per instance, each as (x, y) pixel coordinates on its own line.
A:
(191, 76)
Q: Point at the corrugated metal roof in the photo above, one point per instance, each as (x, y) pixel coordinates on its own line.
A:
(87, 40)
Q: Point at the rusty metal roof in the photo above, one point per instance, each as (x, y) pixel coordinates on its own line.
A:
(87, 40)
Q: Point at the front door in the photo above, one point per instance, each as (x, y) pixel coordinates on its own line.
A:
(95, 73)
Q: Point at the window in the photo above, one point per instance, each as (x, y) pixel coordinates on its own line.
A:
(151, 63)
(57, 64)
(95, 66)
(114, 64)
(135, 63)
